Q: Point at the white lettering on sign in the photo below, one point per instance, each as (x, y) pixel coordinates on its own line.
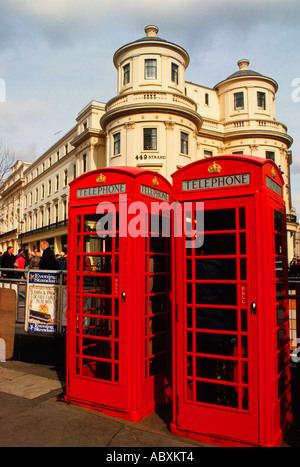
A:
(147, 190)
(101, 190)
(216, 182)
(273, 185)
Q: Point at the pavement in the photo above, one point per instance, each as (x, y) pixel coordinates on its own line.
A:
(33, 412)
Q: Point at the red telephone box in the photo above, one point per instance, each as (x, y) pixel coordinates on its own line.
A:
(119, 278)
(231, 376)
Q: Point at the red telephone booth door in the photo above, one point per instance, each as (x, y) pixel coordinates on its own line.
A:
(95, 312)
(216, 324)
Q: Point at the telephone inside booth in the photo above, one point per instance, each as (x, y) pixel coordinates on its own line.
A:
(231, 378)
(119, 279)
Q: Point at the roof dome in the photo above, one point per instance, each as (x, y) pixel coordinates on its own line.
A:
(152, 38)
(243, 70)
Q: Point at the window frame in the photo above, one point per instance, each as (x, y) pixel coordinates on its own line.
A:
(117, 143)
(152, 144)
(126, 74)
(238, 98)
(270, 155)
(174, 73)
(84, 163)
(184, 143)
(261, 99)
(148, 69)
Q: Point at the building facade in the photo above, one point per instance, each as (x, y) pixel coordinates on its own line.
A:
(156, 121)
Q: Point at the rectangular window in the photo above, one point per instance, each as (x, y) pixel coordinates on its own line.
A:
(150, 139)
(57, 182)
(43, 192)
(65, 178)
(238, 100)
(184, 148)
(84, 163)
(150, 69)
(208, 153)
(117, 137)
(65, 209)
(174, 75)
(126, 74)
(261, 100)
(270, 155)
(49, 187)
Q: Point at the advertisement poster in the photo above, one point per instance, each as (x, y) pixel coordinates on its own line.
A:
(43, 299)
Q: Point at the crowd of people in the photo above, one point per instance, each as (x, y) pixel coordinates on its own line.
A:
(45, 259)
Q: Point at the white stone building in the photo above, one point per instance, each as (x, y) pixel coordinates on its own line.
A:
(156, 121)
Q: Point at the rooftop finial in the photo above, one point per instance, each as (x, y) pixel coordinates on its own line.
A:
(243, 64)
(151, 30)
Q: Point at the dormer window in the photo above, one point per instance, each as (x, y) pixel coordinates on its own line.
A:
(150, 69)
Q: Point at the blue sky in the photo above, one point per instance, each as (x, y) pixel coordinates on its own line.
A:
(56, 56)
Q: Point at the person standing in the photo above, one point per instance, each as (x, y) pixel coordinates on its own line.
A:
(20, 264)
(8, 261)
(62, 261)
(48, 260)
(35, 261)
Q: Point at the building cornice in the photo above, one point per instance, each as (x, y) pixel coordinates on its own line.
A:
(87, 134)
(234, 135)
(150, 108)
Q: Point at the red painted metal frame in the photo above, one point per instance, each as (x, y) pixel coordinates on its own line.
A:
(118, 360)
(262, 422)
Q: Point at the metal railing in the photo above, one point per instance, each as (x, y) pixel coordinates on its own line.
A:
(18, 280)
(20, 285)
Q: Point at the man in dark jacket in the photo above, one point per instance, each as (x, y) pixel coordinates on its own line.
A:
(8, 261)
(48, 260)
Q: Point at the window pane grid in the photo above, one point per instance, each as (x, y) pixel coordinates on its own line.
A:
(150, 69)
(150, 139)
(216, 334)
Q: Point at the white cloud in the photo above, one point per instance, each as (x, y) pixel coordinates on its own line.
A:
(15, 115)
